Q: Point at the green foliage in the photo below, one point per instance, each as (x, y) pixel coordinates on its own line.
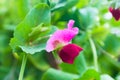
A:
(26, 25)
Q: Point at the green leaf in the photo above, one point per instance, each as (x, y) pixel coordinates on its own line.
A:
(90, 74)
(39, 15)
(78, 67)
(53, 74)
(40, 40)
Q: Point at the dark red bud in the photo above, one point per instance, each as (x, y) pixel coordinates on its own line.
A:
(69, 52)
(115, 13)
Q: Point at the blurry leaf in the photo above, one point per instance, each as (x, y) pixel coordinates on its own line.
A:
(112, 43)
(53, 74)
(40, 14)
(106, 77)
(88, 17)
(100, 34)
(90, 74)
(40, 40)
(81, 39)
(78, 67)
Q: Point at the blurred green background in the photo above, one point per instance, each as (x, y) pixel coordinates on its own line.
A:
(99, 33)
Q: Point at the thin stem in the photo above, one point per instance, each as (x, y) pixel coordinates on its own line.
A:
(94, 53)
(22, 67)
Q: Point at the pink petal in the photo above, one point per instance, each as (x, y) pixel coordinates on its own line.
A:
(70, 24)
(62, 37)
(69, 52)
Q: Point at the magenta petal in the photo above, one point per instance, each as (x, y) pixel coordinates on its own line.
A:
(70, 24)
(69, 52)
(115, 13)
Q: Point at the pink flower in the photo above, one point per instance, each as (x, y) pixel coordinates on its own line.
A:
(60, 40)
(115, 13)
(62, 37)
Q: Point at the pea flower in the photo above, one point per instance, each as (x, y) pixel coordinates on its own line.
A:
(60, 40)
(115, 13)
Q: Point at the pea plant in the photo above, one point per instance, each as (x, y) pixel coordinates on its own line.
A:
(60, 40)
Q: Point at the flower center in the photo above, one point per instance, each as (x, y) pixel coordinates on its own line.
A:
(56, 43)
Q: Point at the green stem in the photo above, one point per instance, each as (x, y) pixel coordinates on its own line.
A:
(22, 67)
(94, 53)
